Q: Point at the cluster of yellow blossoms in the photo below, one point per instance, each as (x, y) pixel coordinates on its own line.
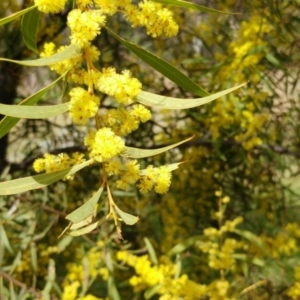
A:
(78, 273)
(104, 143)
(128, 173)
(52, 163)
(242, 57)
(161, 276)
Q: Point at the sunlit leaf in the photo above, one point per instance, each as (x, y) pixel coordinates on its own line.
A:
(16, 262)
(111, 286)
(64, 243)
(127, 218)
(25, 184)
(33, 256)
(162, 67)
(86, 229)
(248, 235)
(141, 153)
(69, 52)
(151, 251)
(29, 27)
(86, 209)
(83, 223)
(189, 5)
(150, 292)
(16, 15)
(12, 293)
(4, 240)
(50, 279)
(181, 247)
(7, 123)
(163, 102)
(33, 112)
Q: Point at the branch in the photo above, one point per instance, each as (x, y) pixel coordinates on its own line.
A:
(21, 285)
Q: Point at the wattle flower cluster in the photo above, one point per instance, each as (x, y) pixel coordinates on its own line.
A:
(105, 142)
(83, 105)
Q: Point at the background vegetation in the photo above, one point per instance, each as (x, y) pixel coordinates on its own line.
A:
(229, 226)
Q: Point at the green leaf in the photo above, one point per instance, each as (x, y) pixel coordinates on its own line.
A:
(25, 184)
(88, 220)
(50, 279)
(33, 256)
(12, 293)
(162, 66)
(16, 15)
(273, 60)
(29, 27)
(7, 123)
(179, 248)
(86, 209)
(127, 218)
(4, 240)
(86, 229)
(150, 292)
(111, 286)
(64, 243)
(251, 237)
(163, 102)
(33, 112)
(141, 153)
(69, 52)
(151, 251)
(193, 6)
(16, 262)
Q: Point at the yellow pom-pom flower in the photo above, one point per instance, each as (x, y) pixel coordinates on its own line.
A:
(83, 105)
(50, 6)
(85, 26)
(104, 144)
(121, 86)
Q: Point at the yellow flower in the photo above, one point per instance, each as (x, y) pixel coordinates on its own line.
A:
(85, 26)
(50, 6)
(83, 105)
(105, 144)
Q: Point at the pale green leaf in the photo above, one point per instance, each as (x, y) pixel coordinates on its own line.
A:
(86, 209)
(16, 15)
(7, 123)
(248, 235)
(111, 286)
(29, 27)
(33, 112)
(181, 247)
(150, 292)
(69, 52)
(33, 256)
(83, 223)
(163, 102)
(64, 243)
(151, 251)
(4, 240)
(12, 293)
(141, 153)
(25, 184)
(190, 5)
(127, 218)
(162, 67)
(86, 229)
(50, 279)
(16, 262)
